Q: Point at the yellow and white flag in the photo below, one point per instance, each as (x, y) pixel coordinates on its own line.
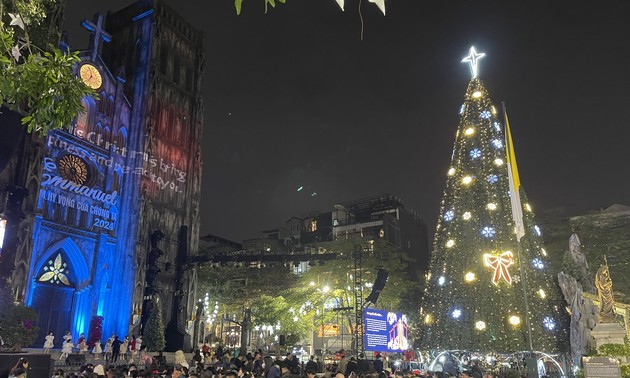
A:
(515, 182)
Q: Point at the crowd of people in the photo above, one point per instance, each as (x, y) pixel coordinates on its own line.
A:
(129, 349)
(128, 358)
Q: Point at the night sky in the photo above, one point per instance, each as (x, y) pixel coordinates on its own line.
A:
(293, 98)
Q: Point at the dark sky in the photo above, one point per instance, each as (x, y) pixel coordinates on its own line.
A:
(295, 98)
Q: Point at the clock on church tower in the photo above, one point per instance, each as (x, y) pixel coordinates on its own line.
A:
(91, 76)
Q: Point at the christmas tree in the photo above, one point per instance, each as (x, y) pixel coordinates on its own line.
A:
(153, 335)
(481, 277)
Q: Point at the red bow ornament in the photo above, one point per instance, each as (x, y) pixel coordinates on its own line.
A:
(500, 264)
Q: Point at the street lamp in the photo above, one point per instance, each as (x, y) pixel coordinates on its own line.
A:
(325, 289)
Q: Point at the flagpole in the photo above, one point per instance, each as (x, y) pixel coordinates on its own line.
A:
(518, 236)
(525, 300)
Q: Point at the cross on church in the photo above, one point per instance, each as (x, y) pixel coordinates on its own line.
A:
(98, 33)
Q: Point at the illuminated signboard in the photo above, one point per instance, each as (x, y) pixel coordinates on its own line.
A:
(385, 331)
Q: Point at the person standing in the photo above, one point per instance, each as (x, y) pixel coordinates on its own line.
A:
(97, 350)
(378, 363)
(48, 344)
(363, 365)
(108, 349)
(124, 348)
(82, 344)
(133, 347)
(66, 349)
(115, 348)
(272, 370)
(138, 343)
(351, 367)
(343, 363)
(311, 365)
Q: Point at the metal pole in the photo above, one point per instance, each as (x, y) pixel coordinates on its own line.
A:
(323, 328)
(518, 240)
(525, 300)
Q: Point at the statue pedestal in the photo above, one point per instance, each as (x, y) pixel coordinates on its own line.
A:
(608, 333)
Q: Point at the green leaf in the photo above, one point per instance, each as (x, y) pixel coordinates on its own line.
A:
(269, 2)
(238, 4)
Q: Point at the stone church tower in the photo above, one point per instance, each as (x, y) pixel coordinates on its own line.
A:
(162, 56)
(75, 223)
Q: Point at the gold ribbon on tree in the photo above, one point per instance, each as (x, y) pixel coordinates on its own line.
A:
(500, 264)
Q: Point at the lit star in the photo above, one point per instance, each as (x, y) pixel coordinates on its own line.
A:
(473, 60)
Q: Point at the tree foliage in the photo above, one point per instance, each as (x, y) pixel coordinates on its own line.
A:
(238, 4)
(298, 302)
(153, 335)
(17, 322)
(36, 78)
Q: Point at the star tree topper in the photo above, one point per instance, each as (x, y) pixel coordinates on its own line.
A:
(500, 264)
(473, 60)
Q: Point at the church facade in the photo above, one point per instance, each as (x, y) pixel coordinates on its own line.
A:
(163, 55)
(111, 213)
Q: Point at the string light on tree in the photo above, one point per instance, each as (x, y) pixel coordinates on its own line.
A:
(549, 323)
(473, 244)
(488, 232)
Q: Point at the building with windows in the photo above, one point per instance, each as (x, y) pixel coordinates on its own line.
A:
(383, 219)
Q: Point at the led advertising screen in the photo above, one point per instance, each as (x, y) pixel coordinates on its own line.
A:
(385, 331)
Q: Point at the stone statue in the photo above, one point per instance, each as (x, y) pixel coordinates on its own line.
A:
(576, 251)
(603, 282)
(579, 258)
(583, 316)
